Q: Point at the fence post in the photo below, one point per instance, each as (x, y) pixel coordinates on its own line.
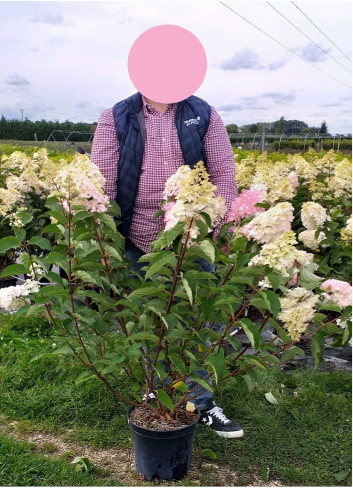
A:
(263, 140)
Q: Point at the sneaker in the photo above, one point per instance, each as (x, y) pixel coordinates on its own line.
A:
(214, 417)
(151, 396)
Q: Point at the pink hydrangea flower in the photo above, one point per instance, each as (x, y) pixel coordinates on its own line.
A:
(169, 218)
(337, 292)
(293, 281)
(294, 180)
(244, 205)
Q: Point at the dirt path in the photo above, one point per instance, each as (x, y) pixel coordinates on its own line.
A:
(120, 462)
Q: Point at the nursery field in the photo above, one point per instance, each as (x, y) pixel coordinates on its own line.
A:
(47, 421)
(83, 335)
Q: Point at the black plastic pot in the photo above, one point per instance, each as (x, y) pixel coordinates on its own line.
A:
(162, 455)
(7, 282)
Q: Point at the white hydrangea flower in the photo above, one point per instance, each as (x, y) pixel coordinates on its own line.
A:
(313, 215)
(297, 309)
(308, 238)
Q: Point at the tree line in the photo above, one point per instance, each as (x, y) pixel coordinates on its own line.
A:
(282, 126)
(27, 130)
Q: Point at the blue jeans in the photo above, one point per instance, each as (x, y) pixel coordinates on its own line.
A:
(134, 254)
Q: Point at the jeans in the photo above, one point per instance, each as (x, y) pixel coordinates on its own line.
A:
(133, 253)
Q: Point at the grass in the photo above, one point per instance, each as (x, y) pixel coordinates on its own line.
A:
(304, 439)
(19, 466)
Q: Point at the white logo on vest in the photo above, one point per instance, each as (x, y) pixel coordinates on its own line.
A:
(192, 121)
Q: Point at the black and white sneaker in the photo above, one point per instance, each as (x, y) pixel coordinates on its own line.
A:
(214, 417)
(151, 397)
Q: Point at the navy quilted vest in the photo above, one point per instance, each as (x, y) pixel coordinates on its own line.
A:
(192, 118)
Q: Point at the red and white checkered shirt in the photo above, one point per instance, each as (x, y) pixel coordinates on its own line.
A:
(162, 157)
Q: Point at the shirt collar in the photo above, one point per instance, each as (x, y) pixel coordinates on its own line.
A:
(150, 107)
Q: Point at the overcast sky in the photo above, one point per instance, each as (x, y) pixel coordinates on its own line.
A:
(68, 60)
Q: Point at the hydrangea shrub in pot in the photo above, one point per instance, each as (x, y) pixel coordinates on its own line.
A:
(158, 331)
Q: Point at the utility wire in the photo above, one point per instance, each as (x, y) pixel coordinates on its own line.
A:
(321, 32)
(288, 49)
(323, 50)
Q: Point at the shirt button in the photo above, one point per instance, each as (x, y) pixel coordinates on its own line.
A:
(166, 162)
(163, 139)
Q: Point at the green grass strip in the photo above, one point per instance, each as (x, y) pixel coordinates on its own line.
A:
(20, 466)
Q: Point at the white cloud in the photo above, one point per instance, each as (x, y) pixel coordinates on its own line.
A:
(312, 53)
(245, 59)
(74, 58)
(53, 19)
(17, 81)
(276, 65)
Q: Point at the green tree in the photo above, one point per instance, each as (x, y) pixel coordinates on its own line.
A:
(323, 128)
(294, 127)
(232, 129)
(278, 126)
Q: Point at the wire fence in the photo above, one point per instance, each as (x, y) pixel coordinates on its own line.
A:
(300, 142)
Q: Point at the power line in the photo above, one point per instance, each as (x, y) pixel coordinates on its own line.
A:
(321, 31)
(323, 50)
(288, 49)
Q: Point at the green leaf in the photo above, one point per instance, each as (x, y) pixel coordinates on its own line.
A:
(326, 306)
(249, 382)
(143, 335)
(283, 334)
(58, 216)
(308, 279)
(163, 397)
(208, 249)
(15, 269)
(256, 361)
(55, 258)
(317, 349)
(107, 220)
(274, 280)
(20, 234)
(144, 291)
(217, 362)
(189, 283)
(25, 217)
(341, 475)
(42, 243)
(8, 243)
(347, 335)
(83, 377)
(209, 454)
(82, 464)
(53, 291)
(207, 307)
(273, 301)
(346, 313)
(271, 358)
(159, 260)
(295, 413)
(86, 277)
(204, 229)
(271, 398)
(265, 473)
(167, 237)
(251, 332)
(181, 386)
(178, 363)
(51, 228)
(202, 382)
(81, 215)
(113, 252)
(160, 369)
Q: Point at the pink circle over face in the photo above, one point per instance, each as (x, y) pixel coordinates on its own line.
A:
(167, 63)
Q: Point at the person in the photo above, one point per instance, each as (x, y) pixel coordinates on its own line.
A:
(138, 144)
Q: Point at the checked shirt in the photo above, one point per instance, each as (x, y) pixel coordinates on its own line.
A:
(162, 157)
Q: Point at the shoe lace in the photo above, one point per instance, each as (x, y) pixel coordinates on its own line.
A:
(218, 413)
